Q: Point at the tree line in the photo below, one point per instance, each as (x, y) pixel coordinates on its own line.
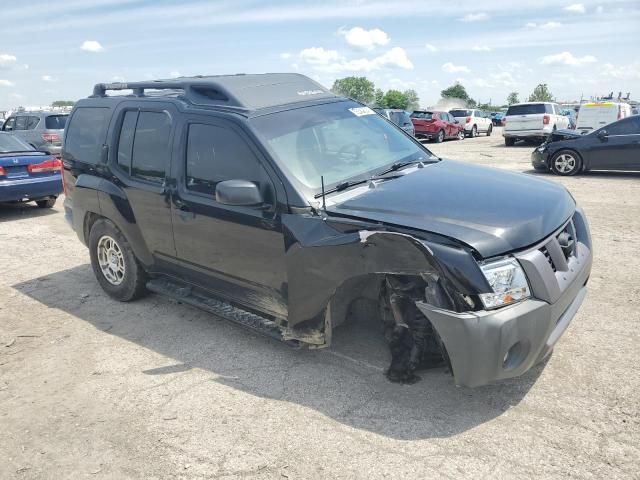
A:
(364, 90)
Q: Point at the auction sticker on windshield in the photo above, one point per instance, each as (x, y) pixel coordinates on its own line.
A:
(361, 111)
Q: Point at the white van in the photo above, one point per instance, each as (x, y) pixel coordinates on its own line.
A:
(592, 116)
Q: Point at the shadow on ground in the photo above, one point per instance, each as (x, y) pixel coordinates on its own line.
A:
(600, 174)
(345, 383)
(17, 211)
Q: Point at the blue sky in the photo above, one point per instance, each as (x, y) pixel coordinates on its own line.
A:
(58, 49)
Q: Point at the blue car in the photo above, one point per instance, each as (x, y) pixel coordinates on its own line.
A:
(27, 174)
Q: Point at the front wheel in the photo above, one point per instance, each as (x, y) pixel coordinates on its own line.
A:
(114, 264)
(566, 163)
(489, 130)
(460, 134)
(474, 132)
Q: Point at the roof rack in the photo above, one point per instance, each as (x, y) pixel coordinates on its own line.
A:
(240, 91)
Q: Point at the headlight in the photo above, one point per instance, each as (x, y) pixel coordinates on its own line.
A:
(508, 282)
(542, 147)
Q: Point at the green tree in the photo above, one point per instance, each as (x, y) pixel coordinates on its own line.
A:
(395, 99)
(455, 91)
(541, 94)
(513, 98)
(63, 103)
(413, 101)
(378, 98)
(358, 88)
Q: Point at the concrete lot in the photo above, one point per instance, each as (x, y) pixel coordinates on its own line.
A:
(91, 388)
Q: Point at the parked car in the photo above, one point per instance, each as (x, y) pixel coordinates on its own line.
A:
(43, 130)
(613, 147)
(594, 115)
(399, 117)
(497, 118)
(473, 121)
(532, 121)
(282, 207)
(27, 174)
(434, 125)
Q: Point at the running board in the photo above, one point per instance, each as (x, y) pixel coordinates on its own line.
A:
(248, 320)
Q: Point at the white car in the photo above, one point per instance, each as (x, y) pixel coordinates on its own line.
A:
(592, 116)
(474, 121)
(532, 121)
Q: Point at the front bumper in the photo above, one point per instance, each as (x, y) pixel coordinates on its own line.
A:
(33, 188)
(486, 346)
(540, 159)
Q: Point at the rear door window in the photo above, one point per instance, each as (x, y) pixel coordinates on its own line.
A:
(21, 123)
(125, 142)
(150, 153)
(628, 126)
(86, 134)
(55, 122)
(31, 123)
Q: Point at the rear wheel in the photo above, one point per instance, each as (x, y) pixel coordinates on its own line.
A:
(474, 132)
(566, 163)
(489, 130)
(440, 137)
(114, 263)
(509, 141)
(48, 203)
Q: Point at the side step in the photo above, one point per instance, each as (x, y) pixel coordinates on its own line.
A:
(249, 320)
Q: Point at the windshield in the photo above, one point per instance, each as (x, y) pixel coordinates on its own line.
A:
(56, 122)
(9, 143)
(461, 113)
(341, 141)
(422, 115)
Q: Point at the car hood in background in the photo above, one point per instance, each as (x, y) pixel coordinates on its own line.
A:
(565, 134)
(490, 210)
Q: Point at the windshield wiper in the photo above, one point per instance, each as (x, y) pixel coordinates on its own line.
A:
(395, 167)
(341, 186)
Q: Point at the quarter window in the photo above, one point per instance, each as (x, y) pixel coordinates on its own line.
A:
(86, 134)
(216, 154)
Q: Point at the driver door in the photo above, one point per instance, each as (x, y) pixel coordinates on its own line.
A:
(619, 149)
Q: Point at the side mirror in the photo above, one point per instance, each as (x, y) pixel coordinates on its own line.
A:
(602, 135)
(238, 192)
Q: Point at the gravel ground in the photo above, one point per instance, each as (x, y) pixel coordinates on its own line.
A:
(93, 388)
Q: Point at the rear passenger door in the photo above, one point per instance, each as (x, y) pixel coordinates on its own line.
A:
(140, 162)
(233, 251)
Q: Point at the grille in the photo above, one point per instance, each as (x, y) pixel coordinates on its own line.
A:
(567, 240)
(545, 252)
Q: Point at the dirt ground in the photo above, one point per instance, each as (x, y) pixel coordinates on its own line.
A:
(92, 388)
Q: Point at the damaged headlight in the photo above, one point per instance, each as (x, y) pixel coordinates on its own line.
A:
(508, 282)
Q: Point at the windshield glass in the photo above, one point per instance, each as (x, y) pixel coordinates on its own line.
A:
(9, 143)
(422, 115)
(461, 113)
(341, 141)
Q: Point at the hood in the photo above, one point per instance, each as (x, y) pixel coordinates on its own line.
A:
(491, 210)
(565, 134)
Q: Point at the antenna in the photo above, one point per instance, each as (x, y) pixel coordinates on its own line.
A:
(324, 205)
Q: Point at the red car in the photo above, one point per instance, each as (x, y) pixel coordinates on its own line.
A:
(436, 126)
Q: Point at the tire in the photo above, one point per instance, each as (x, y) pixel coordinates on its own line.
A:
(474, 132)
(48, 203)
(460, 135)
(489, 130)
(440, 137)
(114, 264)
(566, 163)
(509, 141)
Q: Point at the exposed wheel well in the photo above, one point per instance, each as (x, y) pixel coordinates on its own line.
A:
(89, 219)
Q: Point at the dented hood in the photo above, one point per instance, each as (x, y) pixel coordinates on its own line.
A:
(491, 210)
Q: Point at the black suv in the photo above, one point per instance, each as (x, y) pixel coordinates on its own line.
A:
(272, 202)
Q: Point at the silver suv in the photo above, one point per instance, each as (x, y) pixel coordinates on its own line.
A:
(43, 130)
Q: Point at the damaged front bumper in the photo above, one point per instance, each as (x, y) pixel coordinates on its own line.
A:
(489, 345)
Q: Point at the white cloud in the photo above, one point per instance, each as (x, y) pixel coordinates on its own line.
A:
(332, 62)
(531, 25)
(481, 83)
(451, 68)
(48, 78)
(550, 25)
(480, 48)
(623, 72)
(475, 17)
(567, 58)
(431, 48)
(368, 39)
(6, 83)
(174, 74)
(319, 56)
(600, 10)
(120, 79)
(7, 60)
(285, 55)
(504, 78)
(91, 46)
(576, 8)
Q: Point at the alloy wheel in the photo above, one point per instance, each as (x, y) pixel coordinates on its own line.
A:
(565, 163)
(111, 260)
